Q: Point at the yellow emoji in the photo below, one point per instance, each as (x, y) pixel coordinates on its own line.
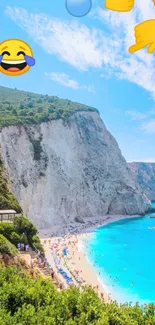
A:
(119, 5)
(144, 36)
(16, 57)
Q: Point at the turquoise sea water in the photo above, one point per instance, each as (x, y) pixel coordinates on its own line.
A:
(123, 253)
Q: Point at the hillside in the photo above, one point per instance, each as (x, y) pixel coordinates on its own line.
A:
(63, 171)
(7, 198)
(144, 175)
(28, 301)
(21, 107)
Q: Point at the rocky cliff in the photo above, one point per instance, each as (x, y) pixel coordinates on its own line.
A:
(144, 175)
(63, 170)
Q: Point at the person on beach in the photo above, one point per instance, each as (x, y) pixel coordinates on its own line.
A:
(52, 274)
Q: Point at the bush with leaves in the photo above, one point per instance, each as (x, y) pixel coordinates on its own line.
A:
(21, 230)
(26, 301)
(6, 247)
(7, 199)
(23, 108)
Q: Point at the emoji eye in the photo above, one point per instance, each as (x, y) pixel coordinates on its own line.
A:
(21, 52)
(6, 52)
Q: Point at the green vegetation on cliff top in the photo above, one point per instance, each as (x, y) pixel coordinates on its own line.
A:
(20, 231)
(20, 107)
(7, 199)
(6, 247)
(26, 301)
(24, 108)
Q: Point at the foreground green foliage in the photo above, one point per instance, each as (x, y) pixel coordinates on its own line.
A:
(6, 247)
(20, 107)
(7, 199)
(24, 301)
(21, 231)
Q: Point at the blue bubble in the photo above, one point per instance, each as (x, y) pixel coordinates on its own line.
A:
(78, 8)
(1, 57)
(29, 60)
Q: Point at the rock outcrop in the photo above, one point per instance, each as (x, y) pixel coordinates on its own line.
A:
(144, 175)
(60, 171)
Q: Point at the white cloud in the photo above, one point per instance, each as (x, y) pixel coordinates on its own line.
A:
(84, 48)
(138, 68)
(145, 160)
(137, 116)
(90, 89)
(107, 74)
(149, 127)
(65, 80)
(149, 160)
(73, 42)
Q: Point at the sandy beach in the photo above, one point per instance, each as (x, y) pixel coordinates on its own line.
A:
(75, 262)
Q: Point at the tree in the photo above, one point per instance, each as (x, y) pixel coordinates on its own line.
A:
(40, 109)
(15, 238)
(6, 247)
(23, 225)
(36, 302)
(14, 112)
(30, 104)
(6, 229)
(24, 239)
(21, 106)
(31, 113)
(51, 109)
(23, 113)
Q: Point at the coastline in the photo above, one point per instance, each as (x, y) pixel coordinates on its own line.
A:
(77, 260)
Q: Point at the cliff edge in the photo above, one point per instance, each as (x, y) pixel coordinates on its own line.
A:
(144, 175)
(60, 171)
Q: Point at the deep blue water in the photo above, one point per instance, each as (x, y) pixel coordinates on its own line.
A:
(124, 254)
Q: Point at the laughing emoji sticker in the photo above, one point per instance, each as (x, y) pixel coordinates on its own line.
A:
(16, 57)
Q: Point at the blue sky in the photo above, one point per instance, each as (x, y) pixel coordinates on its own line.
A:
(86, 60)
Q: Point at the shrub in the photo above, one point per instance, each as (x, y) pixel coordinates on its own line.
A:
(22, 230)
(15, 238)
(6, 247)
(35, 302)
(24, 239)
(7, 229)
(37, 149)
(28, 231)
(38, 104)
(37, 244)
(23, 225)
(7, 199)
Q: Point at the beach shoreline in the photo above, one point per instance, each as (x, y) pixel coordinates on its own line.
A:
(77, 259)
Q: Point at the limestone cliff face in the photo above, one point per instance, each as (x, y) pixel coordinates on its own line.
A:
(144, 175)
(60, 171)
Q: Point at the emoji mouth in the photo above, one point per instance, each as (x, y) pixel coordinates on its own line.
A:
(13, 66)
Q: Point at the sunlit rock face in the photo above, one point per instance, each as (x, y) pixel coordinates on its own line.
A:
(144, 175)
(60, 171)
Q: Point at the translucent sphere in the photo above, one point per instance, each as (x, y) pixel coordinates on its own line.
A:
(78, 8)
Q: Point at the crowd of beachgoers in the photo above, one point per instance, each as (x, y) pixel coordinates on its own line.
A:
(61, 258)
(66, 262)
(69, 262)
